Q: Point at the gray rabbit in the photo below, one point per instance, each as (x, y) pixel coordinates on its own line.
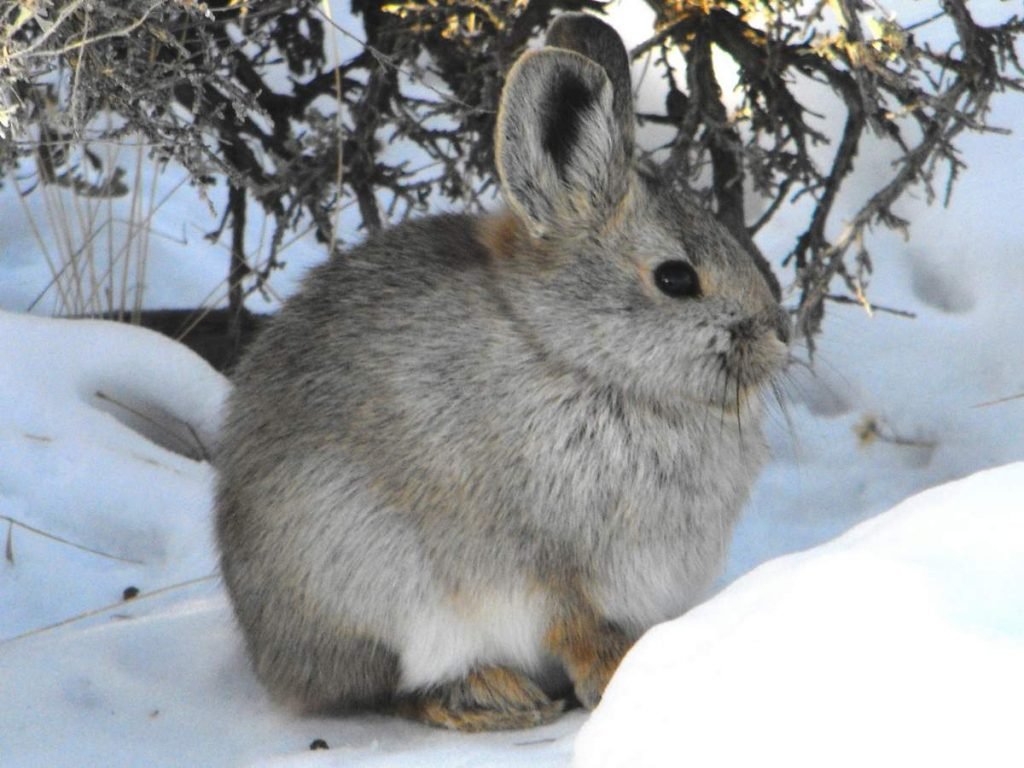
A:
(473, 459)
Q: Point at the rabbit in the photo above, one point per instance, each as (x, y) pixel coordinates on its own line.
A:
(475, 457)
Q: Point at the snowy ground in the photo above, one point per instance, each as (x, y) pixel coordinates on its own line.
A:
(899, 643)
(903, 639)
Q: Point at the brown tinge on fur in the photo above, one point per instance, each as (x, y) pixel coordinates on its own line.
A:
(500, 234)
(591, 651)
(507, 239)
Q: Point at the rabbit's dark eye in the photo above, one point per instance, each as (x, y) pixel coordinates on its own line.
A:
(677, 279)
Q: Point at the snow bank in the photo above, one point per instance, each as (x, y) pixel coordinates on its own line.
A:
(102, 486)
(901, 643)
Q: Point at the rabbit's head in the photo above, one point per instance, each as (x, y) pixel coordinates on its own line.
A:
(612, 273)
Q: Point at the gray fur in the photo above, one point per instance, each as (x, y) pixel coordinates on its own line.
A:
(572, 190)
(489, 420)
(591, 37)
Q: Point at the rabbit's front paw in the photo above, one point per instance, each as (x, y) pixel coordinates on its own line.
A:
(591, 651)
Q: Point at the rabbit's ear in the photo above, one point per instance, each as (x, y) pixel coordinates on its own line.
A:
(598, 41)
(561, 154)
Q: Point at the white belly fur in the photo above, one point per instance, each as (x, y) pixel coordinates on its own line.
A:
(444, 639)
(447, 636)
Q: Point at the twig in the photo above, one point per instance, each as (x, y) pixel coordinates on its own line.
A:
(113, 606)
(871, 428)
(388, 61)
(203, 453)
(54, 537)
(871, 306)
(1000, 401)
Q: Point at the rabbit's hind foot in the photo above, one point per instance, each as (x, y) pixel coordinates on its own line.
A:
(488, 699)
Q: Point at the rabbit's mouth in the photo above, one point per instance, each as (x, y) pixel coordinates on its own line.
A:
(744, 375)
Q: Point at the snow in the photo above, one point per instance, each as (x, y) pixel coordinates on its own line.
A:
(842, 634)
(92, 435)
(900, 643)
